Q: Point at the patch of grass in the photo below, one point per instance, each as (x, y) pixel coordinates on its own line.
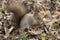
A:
(25, 37)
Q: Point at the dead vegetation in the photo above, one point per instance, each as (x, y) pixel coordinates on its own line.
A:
(29, 20)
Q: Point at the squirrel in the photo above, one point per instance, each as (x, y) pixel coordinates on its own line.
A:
(20, 14)
(18, 9)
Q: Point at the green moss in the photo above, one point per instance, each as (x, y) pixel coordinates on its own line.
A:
(43, 38)
(54, 25)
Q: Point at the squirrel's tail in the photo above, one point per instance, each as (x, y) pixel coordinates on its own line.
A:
(18, 9)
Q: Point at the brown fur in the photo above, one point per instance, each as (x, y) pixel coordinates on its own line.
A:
(18, 9)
